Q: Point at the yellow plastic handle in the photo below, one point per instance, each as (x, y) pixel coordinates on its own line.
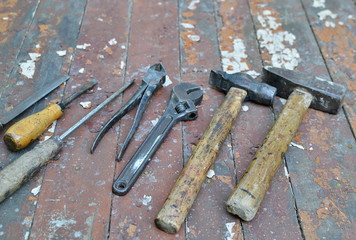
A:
(22, 133)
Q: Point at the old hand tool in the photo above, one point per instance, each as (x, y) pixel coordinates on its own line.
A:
(153, 80)
(182, 107)
(190, 180)
(20, 170)
(303, 90)
(28, 102)
(22, 133)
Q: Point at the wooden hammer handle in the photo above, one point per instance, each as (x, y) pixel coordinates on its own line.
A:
(250, 191)
(190, 180)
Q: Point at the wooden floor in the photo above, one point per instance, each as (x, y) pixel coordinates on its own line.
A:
(313, 194)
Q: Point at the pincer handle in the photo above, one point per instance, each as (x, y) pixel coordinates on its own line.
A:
(251, 189)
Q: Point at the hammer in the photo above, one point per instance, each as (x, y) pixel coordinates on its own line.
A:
(238, 86)
(304, 91)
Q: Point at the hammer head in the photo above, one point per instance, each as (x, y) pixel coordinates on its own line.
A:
(327, 96)
(257, 92)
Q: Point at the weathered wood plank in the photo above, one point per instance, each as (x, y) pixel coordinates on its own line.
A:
(75, 200)
(15, 20)
(46, 35)
(207, 218)
(322, 195)
(153, 38)
(334, 25)
(240, 52)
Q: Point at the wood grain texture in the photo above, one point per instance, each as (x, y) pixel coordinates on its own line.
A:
(190, 180)
(25, 131)
(251, 189)
(22, 169)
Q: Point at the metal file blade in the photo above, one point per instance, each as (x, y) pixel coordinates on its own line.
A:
(28, 102)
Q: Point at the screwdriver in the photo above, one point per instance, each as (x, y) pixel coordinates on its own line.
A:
(21, 169)
(22, 133)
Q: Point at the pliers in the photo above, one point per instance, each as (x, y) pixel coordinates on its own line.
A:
(153, 80)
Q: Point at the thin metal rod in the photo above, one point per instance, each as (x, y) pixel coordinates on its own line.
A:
(97, 109)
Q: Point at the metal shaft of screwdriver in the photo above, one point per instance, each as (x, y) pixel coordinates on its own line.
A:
(97, 109)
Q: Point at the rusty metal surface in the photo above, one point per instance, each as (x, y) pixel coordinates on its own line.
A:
(312, 195)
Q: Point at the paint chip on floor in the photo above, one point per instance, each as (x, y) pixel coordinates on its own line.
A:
(210, 174)
(112, 42)
(85, 105)
(36, 190)
(61, 53)
(167, 82)
(83, 46)
(296, 145)
(146, 200)
(245, 108)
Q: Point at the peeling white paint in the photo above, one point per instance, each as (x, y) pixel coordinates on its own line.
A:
(112, 41)
(20, 83)
(81, 70)
(5, 18)
(296, 145)
(187, 25)
(245, 108)
(253, 73)
(167, 82)
(62, 222)
(326, 13)
(83, 46)
(319, 3)
(210, 174)
(229, 235)
(123, 46)
(27, 69)
(233, 61)
(36, 190)
(329, 24)
(146, 200)
(194, 38)
(154, 121)
(193, 4)
(278, 44)
(37, 46)
(85, 105)
(62, 53)
(122, 64)
(27, 235)
(286, 173)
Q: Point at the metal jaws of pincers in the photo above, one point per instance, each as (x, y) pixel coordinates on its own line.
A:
(152, 81)
(182, 107)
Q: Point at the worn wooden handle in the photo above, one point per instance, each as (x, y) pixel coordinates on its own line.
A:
(20, 170)
(187, 187)
(22, 133)
(250, 191)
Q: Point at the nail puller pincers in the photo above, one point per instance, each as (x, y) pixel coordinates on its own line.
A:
(181, 107)
(153, 80)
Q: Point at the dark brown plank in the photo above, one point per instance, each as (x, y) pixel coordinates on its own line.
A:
(313, 170)
(18, 211)
(153, 38)
(75, 200)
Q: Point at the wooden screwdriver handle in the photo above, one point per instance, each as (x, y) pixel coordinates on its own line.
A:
(251, 189)
(190, 180)
(21, 169)
(22, 133)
